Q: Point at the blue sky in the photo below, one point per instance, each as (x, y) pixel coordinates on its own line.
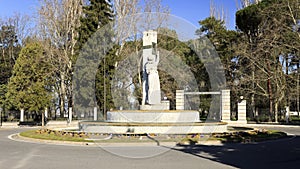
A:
(191, 10)
(195, 10)
(9, 7)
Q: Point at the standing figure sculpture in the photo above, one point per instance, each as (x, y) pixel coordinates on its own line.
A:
(151, 83)
(153, 80)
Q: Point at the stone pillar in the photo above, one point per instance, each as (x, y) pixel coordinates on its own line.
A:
(95, 113)
(225, 105)
(179, 99)
(1, 116)
(70, 114)
(22, 115)
(46, 112)
(242, 107)
(165, 105)
(287, 114)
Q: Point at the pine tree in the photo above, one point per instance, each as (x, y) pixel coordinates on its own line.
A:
(269, 43)
(94, 42)
(9, 49)
(96, 14)
(29, 86)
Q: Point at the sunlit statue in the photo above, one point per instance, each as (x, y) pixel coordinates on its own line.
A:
(151, 84)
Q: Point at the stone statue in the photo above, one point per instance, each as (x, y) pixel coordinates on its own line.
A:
(151, 84)
(153, 80)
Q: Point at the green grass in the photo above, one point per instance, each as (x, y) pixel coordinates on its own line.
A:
(229, 137)
(68, 136)
(250, 136)
(52, 136)
(236, 137)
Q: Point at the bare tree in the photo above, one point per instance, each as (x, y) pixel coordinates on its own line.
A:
(23, 26)
(293, 13)
(127, 18)
(155, 6)
(240, 4)
(58, 21)
(218, 12)
(267, 55)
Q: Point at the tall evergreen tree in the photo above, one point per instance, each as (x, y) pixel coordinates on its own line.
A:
(93, 44)
(9, 51)
(223, 41)
(269, 41)
(96, 14)
(28, 87)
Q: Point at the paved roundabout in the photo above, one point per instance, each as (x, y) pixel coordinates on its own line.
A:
(283, 153)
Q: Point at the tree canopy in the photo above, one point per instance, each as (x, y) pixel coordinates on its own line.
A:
(29, 87)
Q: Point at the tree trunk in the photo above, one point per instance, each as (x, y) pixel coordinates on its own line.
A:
(43, 119)
(298, 97)
(287, 95)
(252, 94)
(104, 85)
(62, 95)
(270, 90)
(276, 112)
(270, 103)
(253, 81)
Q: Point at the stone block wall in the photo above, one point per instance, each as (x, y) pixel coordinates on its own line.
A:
(225, 105)
(179, 99)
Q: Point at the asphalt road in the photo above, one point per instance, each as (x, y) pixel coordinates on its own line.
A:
(20, 155)
(284, 153)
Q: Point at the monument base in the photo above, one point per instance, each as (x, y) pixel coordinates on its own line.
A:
(153, 116)
(155, 128)
(152, 121)
(164, 105)
(238, 122)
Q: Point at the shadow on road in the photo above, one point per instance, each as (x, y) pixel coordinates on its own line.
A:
(282, 153)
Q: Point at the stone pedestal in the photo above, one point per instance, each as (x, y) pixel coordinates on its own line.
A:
(153, 116)
(22, 115)
(242, 111)
(164, 105)
(95, 114)
(225, 105)
(166, 128)
(179, 99)
(70, 114)
(46, 112)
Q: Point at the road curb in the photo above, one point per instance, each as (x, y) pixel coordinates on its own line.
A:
(19, 138)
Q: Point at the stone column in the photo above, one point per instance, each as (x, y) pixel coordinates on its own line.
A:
(165, 105)
(22, 115)
(1, 116)
(95, 113)
(225, 105)
(70, 115)
(242, 107)
(46, 112)
(179, 99)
